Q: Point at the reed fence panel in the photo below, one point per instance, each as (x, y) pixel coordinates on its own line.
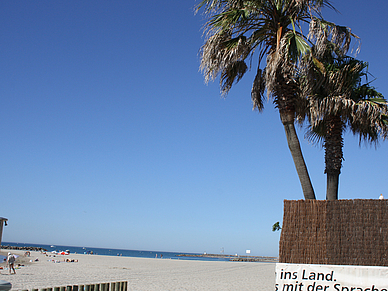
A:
(342, 232)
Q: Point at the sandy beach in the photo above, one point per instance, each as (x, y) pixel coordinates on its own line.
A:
(141, 273)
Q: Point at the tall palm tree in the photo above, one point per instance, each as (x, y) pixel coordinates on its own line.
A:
(235, 30)
(344, 100)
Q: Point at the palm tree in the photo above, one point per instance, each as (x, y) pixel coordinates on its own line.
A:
(343, 101)
(236, 29)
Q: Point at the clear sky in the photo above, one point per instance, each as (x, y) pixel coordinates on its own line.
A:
(110, 138)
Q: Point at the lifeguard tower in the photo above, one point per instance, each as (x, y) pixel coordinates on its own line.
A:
(3, 221)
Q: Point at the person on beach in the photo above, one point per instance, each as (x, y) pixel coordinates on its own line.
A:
(11, 262)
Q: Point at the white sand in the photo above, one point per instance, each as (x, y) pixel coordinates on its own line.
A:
(141, 273)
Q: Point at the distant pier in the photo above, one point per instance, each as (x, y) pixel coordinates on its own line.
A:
(233, 258)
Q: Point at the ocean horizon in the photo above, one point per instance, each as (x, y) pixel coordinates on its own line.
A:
(114, 252)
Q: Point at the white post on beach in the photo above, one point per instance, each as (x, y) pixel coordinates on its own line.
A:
(3, 221)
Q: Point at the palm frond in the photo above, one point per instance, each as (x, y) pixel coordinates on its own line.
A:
(232, 73)
(297, 46)
(220, 52)
(257, 93)
(328, 36)
(316, 134)
(237, 28)
(342, 93)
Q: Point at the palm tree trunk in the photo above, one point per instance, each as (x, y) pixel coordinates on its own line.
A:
(333, 155)
(332, 183)
(287, 119)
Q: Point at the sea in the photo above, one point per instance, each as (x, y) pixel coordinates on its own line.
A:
(114, 252)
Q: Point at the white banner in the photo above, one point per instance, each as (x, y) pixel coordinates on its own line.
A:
(299, 277)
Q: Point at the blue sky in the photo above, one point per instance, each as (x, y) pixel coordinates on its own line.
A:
(110, 138)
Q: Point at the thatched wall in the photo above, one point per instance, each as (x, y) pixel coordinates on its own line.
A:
(343, 232)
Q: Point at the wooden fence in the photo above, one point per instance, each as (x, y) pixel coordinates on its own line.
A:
(342, 232)
(113, 286)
